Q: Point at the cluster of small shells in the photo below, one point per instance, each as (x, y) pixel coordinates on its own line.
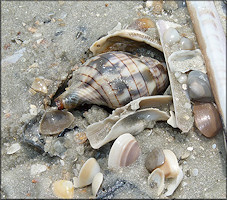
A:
(195, 83)
(163, 164)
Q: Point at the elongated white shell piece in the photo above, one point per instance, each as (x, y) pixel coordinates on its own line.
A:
(121, 120)
(98, 46)
(157, 177)
(174, 183)
(96, 183)
(212, 41)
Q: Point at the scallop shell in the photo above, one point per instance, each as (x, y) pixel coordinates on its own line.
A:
(132, 118)
(124, 152)
(113, 79)
(124, 37)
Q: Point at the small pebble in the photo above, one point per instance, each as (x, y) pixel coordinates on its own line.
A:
(195, 172)
(33, 110)
(214, 146)
(13, 148)
(37, 169)
(154, 159)
(190, 148)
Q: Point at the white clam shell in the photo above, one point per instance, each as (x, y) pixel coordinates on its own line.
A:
(170, 167)
(88, 171)
(124, 151)
(128, 119)
(96, 183)
(157, 177)
(63, 189)
(97, 47)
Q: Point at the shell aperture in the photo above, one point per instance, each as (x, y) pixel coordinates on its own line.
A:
(113, 79)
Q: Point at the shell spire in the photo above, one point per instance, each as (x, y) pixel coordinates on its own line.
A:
(113, 79)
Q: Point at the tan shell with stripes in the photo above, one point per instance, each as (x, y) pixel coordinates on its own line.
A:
(115, 78)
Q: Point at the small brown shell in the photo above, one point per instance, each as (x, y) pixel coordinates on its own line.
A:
(207, 119)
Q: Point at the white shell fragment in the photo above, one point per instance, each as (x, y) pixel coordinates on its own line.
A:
(39, 85)
(172, 120)
(128, 119)
(174, 183)
(156, 179)
(13, 148)
(37, 169)
(102, 44)
(55, 121)
(88, 171)
(180, 61)
(63, 189)
(186, 44)
(170, 167)
(124, 151)
(96, 183)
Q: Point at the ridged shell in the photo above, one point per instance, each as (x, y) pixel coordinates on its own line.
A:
(113, 79)
(124, 151)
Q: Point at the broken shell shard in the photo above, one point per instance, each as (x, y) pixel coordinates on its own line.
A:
(96, 183)
(125, 37)
(63, 189)
(124, 152)
(212, 41)
(174, 183)
(88, 171)
(170, 167)
(39, 85)
(207, 119)
(113, 79)
(156, 179)
(199, 87)
(154, 159)
(142, 24)
(127, 120)
(55, 121)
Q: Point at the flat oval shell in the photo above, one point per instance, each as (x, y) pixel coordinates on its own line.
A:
(96, 183)
(207, 119)
(53, 122)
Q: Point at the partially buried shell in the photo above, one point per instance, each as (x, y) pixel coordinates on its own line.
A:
(124, 151)
(113, 79)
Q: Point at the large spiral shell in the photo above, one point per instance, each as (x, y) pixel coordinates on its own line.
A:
(113, 79)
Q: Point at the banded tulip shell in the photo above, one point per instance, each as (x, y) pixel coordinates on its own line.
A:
(207, 119)
(113, 79)
(87, 173)
(124, 151)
